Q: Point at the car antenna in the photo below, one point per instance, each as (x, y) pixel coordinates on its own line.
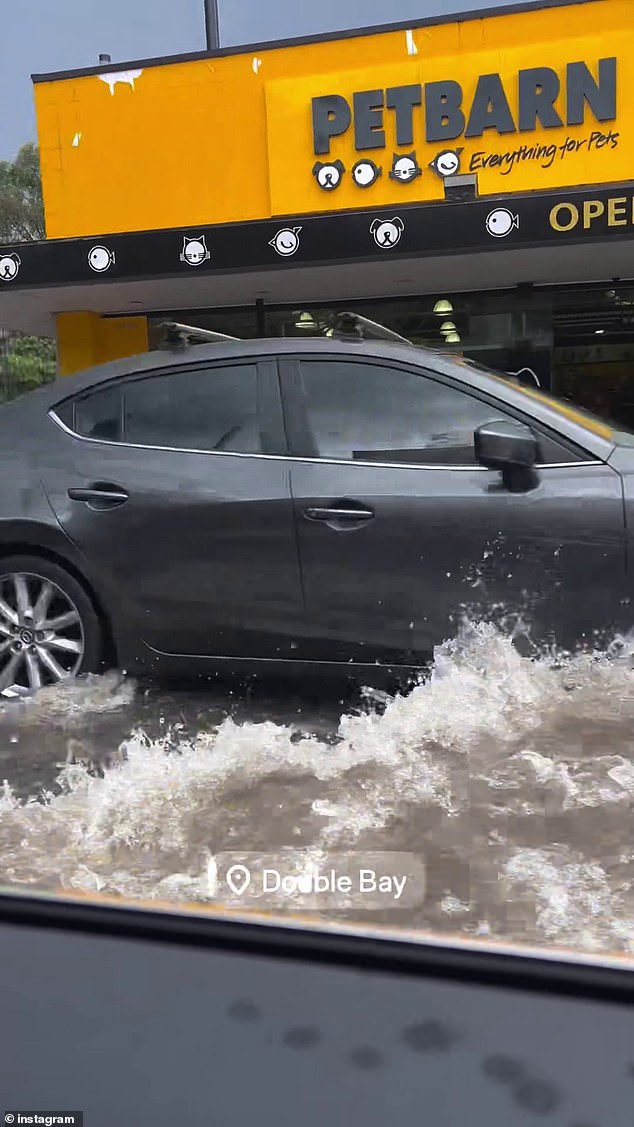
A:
(347, 326)
(176, 335)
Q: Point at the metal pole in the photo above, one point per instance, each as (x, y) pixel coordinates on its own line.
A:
(211, 25)
(260, 318)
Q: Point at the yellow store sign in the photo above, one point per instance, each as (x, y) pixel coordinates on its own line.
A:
(527, 101)
(398, 139)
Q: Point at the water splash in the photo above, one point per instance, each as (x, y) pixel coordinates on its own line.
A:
(71, 701)
(573, 901)
(489, 768)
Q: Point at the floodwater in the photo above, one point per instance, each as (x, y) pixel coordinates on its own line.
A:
(511, 778)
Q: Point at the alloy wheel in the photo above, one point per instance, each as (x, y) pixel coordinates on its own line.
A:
(41, 634)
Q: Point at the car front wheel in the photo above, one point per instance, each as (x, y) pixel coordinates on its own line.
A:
(49, 629)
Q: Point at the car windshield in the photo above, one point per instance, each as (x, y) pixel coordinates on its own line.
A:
(301, 616)
(316, 606)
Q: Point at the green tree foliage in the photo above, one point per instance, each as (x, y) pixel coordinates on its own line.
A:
(21, 207)
(26, 362)
(29, 362)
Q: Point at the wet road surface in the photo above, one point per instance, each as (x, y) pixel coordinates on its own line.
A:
(512, 780)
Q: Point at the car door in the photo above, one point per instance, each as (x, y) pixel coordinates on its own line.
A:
(401, 533)
(167, 484)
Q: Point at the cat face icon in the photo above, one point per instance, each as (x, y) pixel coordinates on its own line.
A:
(9, 267)
(387, 232)
(405, 168)
(194, 251)
(328, 176)
(365, 173)
(446, 163)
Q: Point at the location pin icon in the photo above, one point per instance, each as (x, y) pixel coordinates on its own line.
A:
(238, 878)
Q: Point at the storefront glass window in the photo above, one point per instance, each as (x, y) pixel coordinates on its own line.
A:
(593, 354)
(577, 341)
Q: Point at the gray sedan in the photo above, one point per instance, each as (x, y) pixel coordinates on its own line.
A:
(316, 504)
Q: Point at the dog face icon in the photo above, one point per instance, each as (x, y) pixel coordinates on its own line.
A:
(9, 266)
(365, 173)
(387, 232)
(328, 176)
(446, 163)
(405, 168)
(194, 251)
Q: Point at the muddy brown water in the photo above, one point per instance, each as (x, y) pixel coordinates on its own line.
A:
(511, 779)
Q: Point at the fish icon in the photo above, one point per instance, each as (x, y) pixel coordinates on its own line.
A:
(100, 259)
(365, 173)
(501, 222)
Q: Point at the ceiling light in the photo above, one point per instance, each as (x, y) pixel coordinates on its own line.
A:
(452, 338)
(447, 327)
(443, 306)
(304, 321)
(598, 332)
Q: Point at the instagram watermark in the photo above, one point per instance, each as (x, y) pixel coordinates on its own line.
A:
(305, 878)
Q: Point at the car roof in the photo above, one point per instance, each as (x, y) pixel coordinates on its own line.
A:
(593, 435)
(227, 350)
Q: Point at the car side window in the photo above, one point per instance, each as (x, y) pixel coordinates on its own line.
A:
(360, 411)
(97, 415)
(211, 408)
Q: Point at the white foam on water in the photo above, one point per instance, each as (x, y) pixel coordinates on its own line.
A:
(490, 741)
(70, 701)
(573, 899)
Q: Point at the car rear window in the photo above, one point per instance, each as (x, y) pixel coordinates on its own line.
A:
(98, 415)
(212, 408)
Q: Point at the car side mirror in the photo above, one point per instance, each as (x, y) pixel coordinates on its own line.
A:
(505, 444)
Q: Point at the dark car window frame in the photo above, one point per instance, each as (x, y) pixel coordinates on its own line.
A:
(302, 446)
(268, 407)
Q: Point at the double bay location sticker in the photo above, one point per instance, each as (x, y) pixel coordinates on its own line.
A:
(300, 879)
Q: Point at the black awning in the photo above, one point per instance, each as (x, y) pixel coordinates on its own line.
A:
(539, 219)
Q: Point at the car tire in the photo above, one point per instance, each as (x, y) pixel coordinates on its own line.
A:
(78, 643)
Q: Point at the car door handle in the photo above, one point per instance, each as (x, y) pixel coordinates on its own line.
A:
(338, 514)
(101, 496)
